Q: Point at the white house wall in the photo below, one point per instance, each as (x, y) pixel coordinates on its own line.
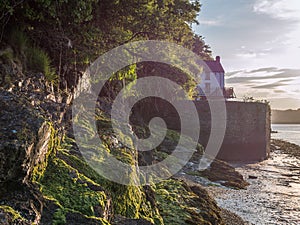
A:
(214, 84)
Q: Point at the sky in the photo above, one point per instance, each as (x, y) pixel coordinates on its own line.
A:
(259, 45)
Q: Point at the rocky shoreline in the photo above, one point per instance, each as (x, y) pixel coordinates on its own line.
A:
(220, 179)
(273, 193)
(47, 205)
(229, 217)
(44, 179)
(285, 147)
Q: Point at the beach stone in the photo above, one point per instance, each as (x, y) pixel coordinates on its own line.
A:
(252, 177)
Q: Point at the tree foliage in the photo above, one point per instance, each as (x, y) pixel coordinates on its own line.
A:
(74, 33)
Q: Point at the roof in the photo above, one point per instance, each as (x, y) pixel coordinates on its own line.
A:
(215, 65)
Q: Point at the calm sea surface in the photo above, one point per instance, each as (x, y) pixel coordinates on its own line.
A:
(287, 132)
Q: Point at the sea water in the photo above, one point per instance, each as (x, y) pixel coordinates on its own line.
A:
(287, 132)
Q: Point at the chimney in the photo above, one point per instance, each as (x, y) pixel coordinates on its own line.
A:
(218, 58)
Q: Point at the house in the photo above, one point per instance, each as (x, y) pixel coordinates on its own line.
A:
(212, 82)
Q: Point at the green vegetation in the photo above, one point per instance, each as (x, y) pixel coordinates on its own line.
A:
(61, 178)
(54, 142)
(15, 216)
(39, 61)
(59, 217)
(180, 204)
(247, 98)
(7, 55)
(74, 40)
(75, 187)
(170, 196)
(18, 40)
(32, 58)
(47, 40)
(69, 188)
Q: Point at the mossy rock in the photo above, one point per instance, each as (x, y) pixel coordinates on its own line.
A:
(25, 138)
(9, 216)
(77, 188)
(179, 204)
(223, 173)
(70, 189)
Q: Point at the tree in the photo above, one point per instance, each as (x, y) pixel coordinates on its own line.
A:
(75, 33)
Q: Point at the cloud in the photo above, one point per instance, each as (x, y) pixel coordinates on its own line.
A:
(273, 85)
(249, 54)
(210, 22)
(243, 52)
(278, 91)
(265, 83)
(229, 74)
(269, 73)
(265, 70)
(279, 9)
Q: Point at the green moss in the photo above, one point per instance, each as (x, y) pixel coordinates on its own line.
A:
(66, 178)
(169, 196)
(179, 204)
(54, 142)
(13, 213)
(128, 201)
(69, 188)
(83, 168)
(150, 213)
(66, 185)
(59, 217)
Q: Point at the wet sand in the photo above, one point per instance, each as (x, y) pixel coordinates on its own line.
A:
(273, 196)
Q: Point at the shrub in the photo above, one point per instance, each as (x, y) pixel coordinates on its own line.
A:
(39, 61)
(18, 40)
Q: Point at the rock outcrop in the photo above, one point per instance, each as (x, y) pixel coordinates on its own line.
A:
(24, 140)
(44, 179)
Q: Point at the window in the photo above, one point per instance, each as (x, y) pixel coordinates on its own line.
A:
(207, 87)
(207, 76)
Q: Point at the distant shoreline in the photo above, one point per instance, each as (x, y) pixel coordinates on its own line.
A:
(285, 116)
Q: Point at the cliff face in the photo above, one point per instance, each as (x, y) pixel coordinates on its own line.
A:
(45, 180)
(24, 143)
(24, 140)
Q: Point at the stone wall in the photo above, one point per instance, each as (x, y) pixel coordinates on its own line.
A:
(247, 136)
